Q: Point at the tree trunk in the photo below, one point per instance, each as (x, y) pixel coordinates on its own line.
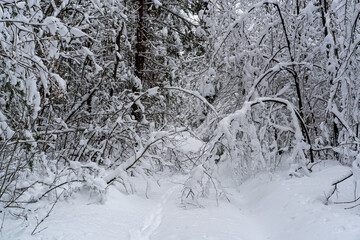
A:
(140, 45)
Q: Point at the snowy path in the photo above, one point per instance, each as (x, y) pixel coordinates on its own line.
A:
(268, 207)
(212, 223)
(169, 221)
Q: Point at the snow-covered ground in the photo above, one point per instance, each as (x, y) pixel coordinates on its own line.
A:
(267, 206)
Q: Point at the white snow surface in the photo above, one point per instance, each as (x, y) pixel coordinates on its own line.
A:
(267, 206)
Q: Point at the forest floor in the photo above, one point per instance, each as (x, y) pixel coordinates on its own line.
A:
(268, 206)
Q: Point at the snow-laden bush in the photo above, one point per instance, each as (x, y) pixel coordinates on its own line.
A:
(256, 137)
(265, 134)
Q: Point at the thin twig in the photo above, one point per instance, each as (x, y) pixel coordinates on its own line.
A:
(353, 206)
(46, 216)
(353, 201)
(2, 223)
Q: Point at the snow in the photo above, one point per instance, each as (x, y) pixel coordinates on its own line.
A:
(61, 82)
(5, 131)
(30, 3)
(87, 51)
(356, 168)
(20, 4)
(191, 144)
(267, 206)
(157, 3)
(77, 32)
(152, 91)
(52, 24)
(295, 207)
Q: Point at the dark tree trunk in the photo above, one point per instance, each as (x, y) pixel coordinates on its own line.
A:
(140, 49)
(297, 7)
(323, 12)
(140, 45)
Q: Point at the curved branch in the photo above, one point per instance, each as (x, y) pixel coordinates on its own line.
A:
(298, 115)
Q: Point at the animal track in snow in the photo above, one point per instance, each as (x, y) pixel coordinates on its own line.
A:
(153, 220)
